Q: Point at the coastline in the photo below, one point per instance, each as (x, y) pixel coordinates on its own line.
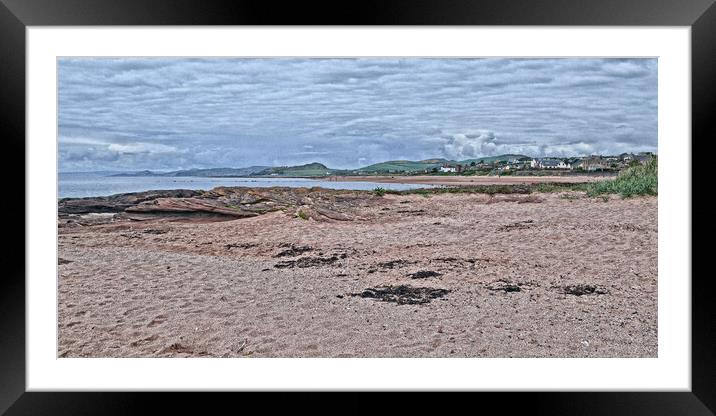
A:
(467, 180)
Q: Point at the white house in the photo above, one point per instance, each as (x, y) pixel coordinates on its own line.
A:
(549, 163)
(564, 165)
(448, 169)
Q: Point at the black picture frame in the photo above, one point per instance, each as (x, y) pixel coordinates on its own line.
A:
(16, 15)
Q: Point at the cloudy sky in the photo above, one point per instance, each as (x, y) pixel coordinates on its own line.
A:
(171, 113)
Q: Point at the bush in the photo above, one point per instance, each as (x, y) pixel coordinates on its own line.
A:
(633, 181)
(379, 191)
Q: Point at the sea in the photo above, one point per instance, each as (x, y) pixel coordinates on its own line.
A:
(89, 184)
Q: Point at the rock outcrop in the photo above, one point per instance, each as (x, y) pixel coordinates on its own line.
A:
(118, 202)
(222, 203)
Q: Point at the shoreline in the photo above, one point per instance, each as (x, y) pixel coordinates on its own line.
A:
(467, 180)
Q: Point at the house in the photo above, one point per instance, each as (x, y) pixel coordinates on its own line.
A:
(643, 157)
(626, 157)
(564, 164)
(448, 168)
(549, 164)
(593, 163)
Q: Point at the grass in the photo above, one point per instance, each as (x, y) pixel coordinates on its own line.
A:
(561, 187)
(302, 215)
(382, 191)
(633, 181)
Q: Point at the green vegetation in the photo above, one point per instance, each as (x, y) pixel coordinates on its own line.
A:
(424, 192)
(636, 180)
(486, 189)
(382, 191)
(404, 166)
(569, 196)
(302, 215)
(477, 189)
(494, 159)
(310, 169)
(561, 187)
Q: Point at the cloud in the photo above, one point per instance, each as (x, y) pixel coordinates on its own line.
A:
(141, 148)
(471, 145)
(145, 113)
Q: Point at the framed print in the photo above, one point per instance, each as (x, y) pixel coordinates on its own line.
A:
(241, 198)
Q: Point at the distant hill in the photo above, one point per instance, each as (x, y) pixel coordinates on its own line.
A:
(201, 173)
(421, 165)
(138, 173)
(319, 169)
(493, 159)
(310, 169)
(218, 172)
(404, 165)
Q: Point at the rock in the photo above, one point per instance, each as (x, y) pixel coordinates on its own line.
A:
(118, 202)
(403, 294)
(223, 203)
(423, 274)
(189, 205)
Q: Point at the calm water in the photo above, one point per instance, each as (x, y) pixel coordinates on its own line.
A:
(78, 185)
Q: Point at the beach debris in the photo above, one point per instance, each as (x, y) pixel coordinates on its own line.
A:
(527, 199)
(239, 245)
(424, 274)
(454, 261)
(394, 264)
(143, 341)
(294, 251)
(154, 231)
(583, 289)
(305, 262)
(131, 234)
(625, 227)
(60, 260)
(402, 294)
(242, 347)
(414, 212)
(519, 225)
(504, 286)
(177, 348)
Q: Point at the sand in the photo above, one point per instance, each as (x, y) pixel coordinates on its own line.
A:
(472, 180)
(212, 289)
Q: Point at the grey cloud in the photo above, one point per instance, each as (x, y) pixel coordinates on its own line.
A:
(146, 113)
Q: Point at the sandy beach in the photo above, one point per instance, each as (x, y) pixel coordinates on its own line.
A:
(449, 275)
(472, 180)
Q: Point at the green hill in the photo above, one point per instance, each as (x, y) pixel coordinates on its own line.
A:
(310, 169)
(493, 159)
(201, 173)
(395, 166)
(217, 172)
(407, 166)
